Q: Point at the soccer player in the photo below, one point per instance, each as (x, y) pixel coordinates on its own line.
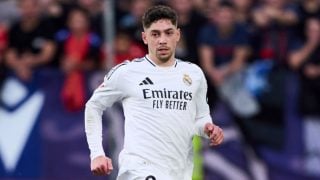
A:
(164, 102)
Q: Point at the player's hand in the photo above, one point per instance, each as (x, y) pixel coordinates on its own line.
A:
(101, 166)
(215, 134)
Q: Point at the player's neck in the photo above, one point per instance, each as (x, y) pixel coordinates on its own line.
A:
(156, 61)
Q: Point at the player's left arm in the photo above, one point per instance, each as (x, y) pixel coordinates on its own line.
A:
(204, 125)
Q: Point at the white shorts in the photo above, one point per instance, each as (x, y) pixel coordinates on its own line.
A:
(141, 175)
(135, 168)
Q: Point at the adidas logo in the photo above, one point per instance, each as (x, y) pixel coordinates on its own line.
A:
(146, 81)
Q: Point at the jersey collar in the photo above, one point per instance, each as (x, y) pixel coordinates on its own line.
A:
(154, 64)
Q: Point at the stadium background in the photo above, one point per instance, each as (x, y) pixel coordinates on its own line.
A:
(41, 123)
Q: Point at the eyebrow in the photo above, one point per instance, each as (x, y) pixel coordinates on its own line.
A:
(166, 30)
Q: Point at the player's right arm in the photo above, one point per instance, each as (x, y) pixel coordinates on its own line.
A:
(104, 96)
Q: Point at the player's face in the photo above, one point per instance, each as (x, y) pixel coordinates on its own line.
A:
(162, 38)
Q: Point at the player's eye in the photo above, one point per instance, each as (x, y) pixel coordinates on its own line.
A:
(154, 34)
(169, 33)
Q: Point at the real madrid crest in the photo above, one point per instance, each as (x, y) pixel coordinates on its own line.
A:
(187, 79)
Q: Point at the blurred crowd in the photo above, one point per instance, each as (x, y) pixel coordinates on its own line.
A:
(261, 59)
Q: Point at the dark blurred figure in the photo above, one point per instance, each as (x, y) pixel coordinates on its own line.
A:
(30, 41)
(3, 46)
(57, 12)
(224, 49)
(305, 59)
(208, 7)
(126, 48)
(122, 8)
(3, 40)
(190, 22)
(8, 12)
(79, 51)
(307, 9)
(274, 20)
(132, 20)
(243, 10)
(277, 128)
(223, 45)
(95, 9)
(243, 16)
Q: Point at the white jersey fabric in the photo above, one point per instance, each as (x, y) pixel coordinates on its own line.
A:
(164, 108)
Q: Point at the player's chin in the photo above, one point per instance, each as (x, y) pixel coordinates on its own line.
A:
(164, 57)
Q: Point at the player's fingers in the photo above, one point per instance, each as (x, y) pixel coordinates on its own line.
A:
(218, 140)
(210, 133)
(96, 172)
(216, 131)
(213, 133)
(217, 136)
(103, 169)
(109, 166)
(210, 127)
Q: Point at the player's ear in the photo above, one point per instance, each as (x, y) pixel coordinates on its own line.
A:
(178, 34)
(144, 37)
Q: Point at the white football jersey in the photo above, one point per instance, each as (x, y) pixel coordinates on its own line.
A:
(164, 108)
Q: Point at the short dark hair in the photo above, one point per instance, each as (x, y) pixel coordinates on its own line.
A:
(158, 12)
(226, 4)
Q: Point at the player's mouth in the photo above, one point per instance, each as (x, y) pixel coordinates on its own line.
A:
(163, 50)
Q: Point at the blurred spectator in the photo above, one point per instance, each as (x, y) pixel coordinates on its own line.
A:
(30, 41)
(3, 41)
(3, 46)
(122, 7)
(57, 12)
(223, 47)
(272, 12)
(8, 12)
(132, 20)
(209, 6)
(126, 48)
(274, 21)
(79, 51)
(305, 58)
(243, 11)
(273, 18)
(95, 9)
(190, 22)
(306, 10)
(199, 5)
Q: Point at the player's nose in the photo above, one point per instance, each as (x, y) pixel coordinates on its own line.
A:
(162, 40)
